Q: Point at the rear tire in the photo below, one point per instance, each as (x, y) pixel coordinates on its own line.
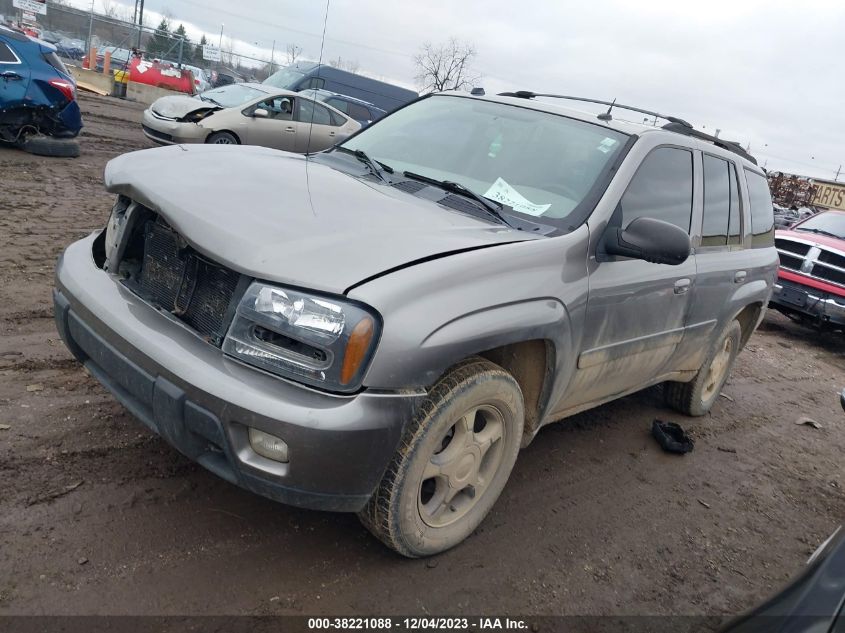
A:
(222, 138)
(695, 398)
(452, 463)
(48, 146)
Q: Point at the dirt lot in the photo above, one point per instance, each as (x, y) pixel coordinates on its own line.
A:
(97, 515)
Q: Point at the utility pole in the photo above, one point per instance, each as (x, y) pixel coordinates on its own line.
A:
(836, 177)
(90, 32)
(272, 53)
(220, 46)
(140, 24)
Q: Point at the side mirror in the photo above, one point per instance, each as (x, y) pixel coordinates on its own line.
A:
(652, 240)
(260, 113)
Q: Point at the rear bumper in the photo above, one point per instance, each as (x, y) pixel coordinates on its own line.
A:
(792, 298)
(203, 403)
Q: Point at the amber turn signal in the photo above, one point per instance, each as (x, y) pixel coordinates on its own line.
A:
(356, 350)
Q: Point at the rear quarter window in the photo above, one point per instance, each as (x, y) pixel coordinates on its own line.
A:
(762, 211)
(55, 62)
(7, 55)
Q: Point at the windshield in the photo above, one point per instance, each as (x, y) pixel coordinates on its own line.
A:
(537, 163)
(828, 222)
(232, 95)
(284, 78)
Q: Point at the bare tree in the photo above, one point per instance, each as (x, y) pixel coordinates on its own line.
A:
(293, 52)
(447, 66)
(352, 65)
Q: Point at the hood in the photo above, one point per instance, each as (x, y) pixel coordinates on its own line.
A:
(177, 106)
(260, 212)
(816, 238)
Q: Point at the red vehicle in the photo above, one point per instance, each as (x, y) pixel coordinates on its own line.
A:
(811, 278)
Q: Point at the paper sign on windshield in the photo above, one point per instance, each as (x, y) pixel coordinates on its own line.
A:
(501, 191)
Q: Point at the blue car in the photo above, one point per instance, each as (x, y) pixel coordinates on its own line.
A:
(37, 94)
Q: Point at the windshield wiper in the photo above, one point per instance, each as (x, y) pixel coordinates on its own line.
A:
(819, 231)
(373, 165)
(492, 207)
(210, 100)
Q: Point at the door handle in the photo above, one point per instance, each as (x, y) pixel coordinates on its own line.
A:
(681, 286)
(739, 276)
(10, 74)
(289, 129)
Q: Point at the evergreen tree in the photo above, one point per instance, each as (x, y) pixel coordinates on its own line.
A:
(187, 49)
(198, 50)
(160, 42)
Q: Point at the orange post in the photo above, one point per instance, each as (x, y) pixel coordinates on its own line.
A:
(106, 62)
(92, 58)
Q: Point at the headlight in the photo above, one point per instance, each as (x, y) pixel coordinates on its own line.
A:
(325, 342)
(120, 218)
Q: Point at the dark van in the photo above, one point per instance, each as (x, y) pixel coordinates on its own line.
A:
(305, 75)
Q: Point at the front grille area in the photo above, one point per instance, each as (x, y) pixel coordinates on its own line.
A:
(814, 261)
(791, 262)
(799, 248)
(174, 277)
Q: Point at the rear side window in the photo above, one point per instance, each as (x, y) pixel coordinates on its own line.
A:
(717, 202)
(310, 111)
(762, 212)
(359, 113)
(721, 224)
(661, 189)
(55, 62)
(337, 103)
(7, 55)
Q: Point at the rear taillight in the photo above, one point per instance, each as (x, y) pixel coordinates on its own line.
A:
(66, 88)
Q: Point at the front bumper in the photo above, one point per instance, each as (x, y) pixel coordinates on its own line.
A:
(171, 132)
(791, 298)
(203, 402)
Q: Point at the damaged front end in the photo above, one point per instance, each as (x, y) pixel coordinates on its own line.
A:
(183, 109)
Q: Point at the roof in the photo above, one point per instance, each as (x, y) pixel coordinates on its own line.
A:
(675, 127)
(13, 34)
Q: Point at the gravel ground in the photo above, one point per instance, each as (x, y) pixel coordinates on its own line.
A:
(99, 516)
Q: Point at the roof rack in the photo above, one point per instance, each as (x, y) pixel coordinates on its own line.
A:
(675, 124)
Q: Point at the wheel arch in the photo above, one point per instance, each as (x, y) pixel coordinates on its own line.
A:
(213, 132)
(532, 365)
(749, 318)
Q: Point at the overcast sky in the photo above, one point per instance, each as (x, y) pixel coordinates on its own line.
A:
(766, 73)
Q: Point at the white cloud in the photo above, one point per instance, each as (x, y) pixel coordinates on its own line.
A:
(765, 72)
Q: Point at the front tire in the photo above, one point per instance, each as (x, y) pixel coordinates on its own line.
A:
(222, 138)
(452, 463)
(695, 398)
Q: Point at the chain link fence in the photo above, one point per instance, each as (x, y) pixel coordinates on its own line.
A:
(75, 31)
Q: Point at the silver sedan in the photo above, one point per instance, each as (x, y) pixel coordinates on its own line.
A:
(248, 114)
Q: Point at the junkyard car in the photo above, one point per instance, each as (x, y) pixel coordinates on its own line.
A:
(247, 114)
(380, 327)
(811, 280)
(37, 96)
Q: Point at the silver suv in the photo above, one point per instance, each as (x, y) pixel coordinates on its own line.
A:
(379, 328)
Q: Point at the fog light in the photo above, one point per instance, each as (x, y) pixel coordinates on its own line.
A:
(268, 446)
